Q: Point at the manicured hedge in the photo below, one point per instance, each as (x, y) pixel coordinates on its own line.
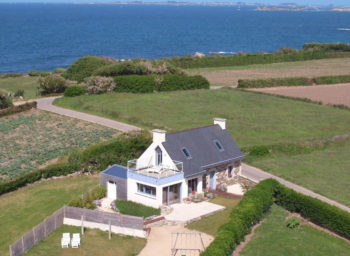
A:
(249, 211)
(17, 109)
(319, 212)
(135, 209)
(94, 158)
(135, 84)
(273, 82)
(74, 90)
(173, 83)
(332, 79)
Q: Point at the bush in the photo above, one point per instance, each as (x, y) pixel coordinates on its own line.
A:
(121, 68)
(17, 109)
(5, 101)
(174, 82)
(320, 213)
(134, 84)
(52, 84)
(59, 71)
(100, 84)
(272, 82)
(135, 209)
(248, 212)
(259, 150)
(99, 192)
(293, 222)
(74, 90)
(38, 73)
(19, 93)
(326, 47)
(84, 67)
(87, 200)
(332, 79)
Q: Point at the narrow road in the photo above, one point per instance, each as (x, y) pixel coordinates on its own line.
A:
(248, 171)
(257, 175)
(46, 104)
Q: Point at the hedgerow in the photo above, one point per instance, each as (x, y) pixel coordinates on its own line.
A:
(332, 79)
(74, 90)
(273, 82)
(173, 83)
(135, 84)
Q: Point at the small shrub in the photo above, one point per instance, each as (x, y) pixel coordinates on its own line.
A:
(60, 71)
(5, 101)
(74, 90)
(135, 84)
(293, 222)
(100, 84)
(135, 209)
(52, 84)
(99, 192)
(19, 93)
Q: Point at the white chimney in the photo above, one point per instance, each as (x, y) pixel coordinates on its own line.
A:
(221, 122)
(158, 136)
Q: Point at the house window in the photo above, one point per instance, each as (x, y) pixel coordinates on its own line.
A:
(144, 189)
(186, 153)
(230, 168)
(218, 145)
(159, 157)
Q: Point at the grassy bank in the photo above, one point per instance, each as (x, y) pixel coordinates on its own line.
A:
(274, 238)
(28, 84)
(21, 210)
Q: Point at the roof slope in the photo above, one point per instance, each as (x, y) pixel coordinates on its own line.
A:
(117, 171)
(200, 143)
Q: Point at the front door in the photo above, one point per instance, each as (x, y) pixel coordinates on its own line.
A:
(112, 190)
(165, 196)
(192, 185)
(171, 194)
(211, 183)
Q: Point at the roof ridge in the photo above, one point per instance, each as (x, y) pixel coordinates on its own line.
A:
(191, 129)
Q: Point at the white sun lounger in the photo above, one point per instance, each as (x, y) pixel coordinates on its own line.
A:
(65, 240)
(76, 240)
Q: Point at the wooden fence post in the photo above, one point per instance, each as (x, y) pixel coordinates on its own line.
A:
(34, 235)
(10, 250)
(82, 224)
(22, 245)
(110, 231)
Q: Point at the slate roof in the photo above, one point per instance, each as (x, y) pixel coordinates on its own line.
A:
(200, 143)
(117, 171)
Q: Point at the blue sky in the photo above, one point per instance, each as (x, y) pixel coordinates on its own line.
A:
(318, 2)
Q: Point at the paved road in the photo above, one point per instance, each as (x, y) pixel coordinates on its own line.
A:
(257, 175)
(46, 104)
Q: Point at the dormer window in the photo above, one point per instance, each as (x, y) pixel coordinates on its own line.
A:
(186, 153)
(159, 156)
(218, 145)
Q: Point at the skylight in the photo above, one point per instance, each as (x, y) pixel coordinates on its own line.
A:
(218, 145)
(186, 153)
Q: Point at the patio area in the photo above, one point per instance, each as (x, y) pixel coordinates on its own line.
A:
(185, 213)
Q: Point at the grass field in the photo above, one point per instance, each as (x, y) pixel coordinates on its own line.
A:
(30, 139)
(229, 76)
(21, 210)
(211, 224)
(93, 242)
(28, 84)
(273, 238)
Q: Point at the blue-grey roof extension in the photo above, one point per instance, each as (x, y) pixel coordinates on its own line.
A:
(117, 171)
(200, 144)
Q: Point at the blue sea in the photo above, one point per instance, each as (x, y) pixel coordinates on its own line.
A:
(45, 36)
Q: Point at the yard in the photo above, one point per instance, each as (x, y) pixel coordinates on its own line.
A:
(211, 224)
(229, 76)
(28, 84)
(93, 242)
(31, 139)
(25, 208)
(274, 238)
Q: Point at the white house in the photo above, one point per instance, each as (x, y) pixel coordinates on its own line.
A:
(176, 165)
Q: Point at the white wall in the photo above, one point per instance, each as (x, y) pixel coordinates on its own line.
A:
(105, 227)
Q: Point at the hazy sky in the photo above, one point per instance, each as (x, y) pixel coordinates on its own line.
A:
(319, 2)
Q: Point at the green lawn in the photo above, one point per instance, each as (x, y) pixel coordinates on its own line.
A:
(274, 238)
(28, 84)
(252, 119)
(25, 208)
(93, 242)
(211, 224)
(136, 209)
(325, 172)
(30, 139)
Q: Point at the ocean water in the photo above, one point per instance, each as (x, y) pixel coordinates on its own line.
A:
(45, 36)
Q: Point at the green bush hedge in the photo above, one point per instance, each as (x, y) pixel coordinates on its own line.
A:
(320, 213)
(273, 82)
(38, 73)
(86, 201)
(94, 158)
(121, 68)
(74, 90)
(84, 67)
(342, 47)
(332, 79)
(248, 212)
(135, 84)
(135, 209)
(173, 83)
(17, 109)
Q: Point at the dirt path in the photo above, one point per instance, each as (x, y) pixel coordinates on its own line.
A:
(327, 94)
(159, 241)
(229, 76)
